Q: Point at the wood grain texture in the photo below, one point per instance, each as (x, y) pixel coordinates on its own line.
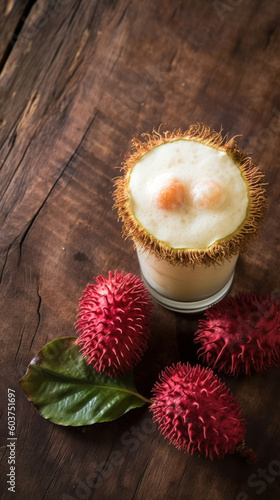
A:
(80, 80)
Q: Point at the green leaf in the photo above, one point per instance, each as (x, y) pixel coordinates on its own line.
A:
(67, 391)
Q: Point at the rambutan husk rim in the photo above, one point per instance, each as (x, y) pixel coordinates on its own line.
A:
(233, 244)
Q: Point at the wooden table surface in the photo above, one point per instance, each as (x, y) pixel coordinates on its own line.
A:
(78, 80)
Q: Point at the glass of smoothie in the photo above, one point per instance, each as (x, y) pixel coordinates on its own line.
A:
(191, 202)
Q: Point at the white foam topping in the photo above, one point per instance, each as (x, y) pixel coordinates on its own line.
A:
(188, 195)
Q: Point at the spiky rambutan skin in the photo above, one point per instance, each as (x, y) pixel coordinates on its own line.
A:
(241, 334)
(113, 324)
(196, 412)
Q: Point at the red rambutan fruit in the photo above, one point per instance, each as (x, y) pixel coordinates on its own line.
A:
(241, 334)
(196, 412)
(113, 324)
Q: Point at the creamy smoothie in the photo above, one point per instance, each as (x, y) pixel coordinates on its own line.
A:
(187, 203)
(188, 195)
(185, 283)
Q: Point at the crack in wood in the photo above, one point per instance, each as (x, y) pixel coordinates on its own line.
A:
(176, 11)
(123, 15)
(270, 34)
(28, 109)
(172, 59)
(14, 173)
(58, 470)
(45, 452)
(72, 72)
(30, 224)
(5, 260)
(20, 340)
(11, 131)
(101, 470)
(39, 317)
(116, 61)
(16, 33)
(55, 55)
(59, 27)
(74, 13)
(138, 486)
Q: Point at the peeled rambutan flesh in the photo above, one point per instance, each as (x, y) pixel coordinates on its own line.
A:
(241, 334)
(196, 412)
(171, 195)
(113, 323)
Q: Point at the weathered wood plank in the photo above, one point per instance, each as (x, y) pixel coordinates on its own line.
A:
(12, 16)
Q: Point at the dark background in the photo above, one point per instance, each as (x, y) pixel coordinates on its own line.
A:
(78, 80)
